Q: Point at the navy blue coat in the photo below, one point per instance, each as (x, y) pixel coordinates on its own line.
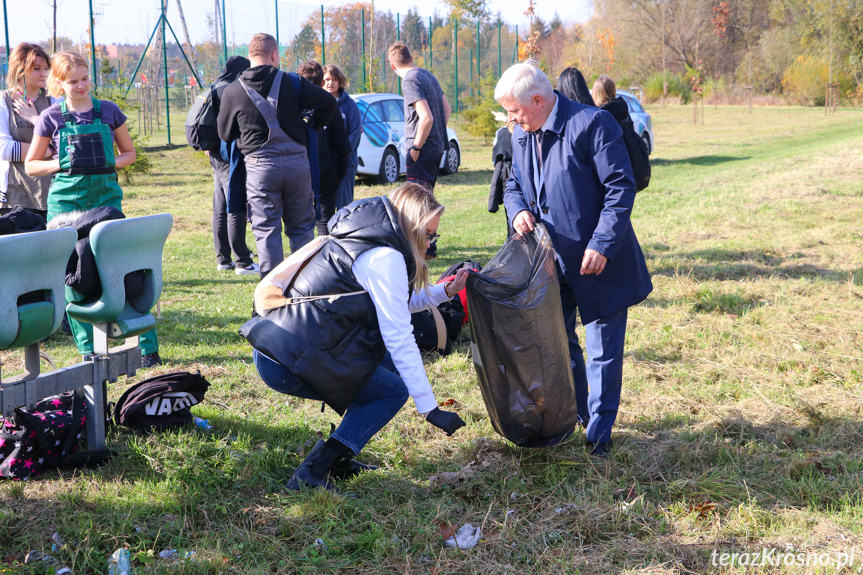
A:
(590, 191)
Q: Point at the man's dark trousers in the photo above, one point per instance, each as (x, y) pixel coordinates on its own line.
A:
(425, 169)
(599, 381)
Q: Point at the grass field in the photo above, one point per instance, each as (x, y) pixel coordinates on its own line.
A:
(740, 427)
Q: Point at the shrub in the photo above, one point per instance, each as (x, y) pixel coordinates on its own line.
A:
(480, 120)
(806, 80)
(678, 87)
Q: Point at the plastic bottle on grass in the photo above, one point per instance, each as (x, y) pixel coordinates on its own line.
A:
(119, 563)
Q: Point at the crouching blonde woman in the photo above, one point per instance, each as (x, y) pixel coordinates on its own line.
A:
(341, 331)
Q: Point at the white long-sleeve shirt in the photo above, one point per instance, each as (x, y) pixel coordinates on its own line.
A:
(383, 274)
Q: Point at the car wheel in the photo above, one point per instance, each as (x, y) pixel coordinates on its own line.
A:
(389, 171)
(453, 160)
(646, 137)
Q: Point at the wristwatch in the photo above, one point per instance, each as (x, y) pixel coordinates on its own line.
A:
(414, 148)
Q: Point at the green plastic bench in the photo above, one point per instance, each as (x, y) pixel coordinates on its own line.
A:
(119, 248)
(32, 262)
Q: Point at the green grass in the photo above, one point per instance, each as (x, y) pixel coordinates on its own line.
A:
(740, 424)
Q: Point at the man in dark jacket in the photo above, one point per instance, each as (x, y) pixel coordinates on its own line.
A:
(229, 178)
(278, 181)
(571, 170)
(334, 152)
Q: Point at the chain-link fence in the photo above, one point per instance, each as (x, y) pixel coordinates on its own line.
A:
(126, 47)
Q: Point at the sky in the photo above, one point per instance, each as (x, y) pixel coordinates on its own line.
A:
(132, 21)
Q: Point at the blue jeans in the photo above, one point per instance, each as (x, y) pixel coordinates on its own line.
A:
(380, 400)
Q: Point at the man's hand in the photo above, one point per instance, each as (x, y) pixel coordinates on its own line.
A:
(415, 155)
(523, 222)
(593, 262)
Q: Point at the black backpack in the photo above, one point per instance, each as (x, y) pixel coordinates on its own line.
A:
(201, 131)
(639, 156)
(161, 402)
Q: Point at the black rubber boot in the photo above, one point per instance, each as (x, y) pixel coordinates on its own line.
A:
(349, 467)
(314, 470)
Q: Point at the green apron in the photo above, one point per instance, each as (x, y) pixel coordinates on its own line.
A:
(87, 177)
(87, 180)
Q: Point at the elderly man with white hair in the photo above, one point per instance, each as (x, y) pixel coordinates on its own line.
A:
(571, 171)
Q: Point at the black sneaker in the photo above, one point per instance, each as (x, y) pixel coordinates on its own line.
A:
(151, 360)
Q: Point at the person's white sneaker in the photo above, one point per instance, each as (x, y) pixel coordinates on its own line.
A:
(225, 267)
(252, 268)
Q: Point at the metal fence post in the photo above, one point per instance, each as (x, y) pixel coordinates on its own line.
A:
(455, 44)
(165, 69)
(499, 68)
(478, 72)
(224, 32)
(398, 38)
(6, 28)
(430, 49)
(515, 54)
(323, 39)
(93, 73)
(363, 35)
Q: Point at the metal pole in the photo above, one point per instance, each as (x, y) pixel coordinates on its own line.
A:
(363, 35)
(399, 37)
(430, 42)
(279, 46)
(455, 44)
(499, 68)
(141, 61)
(323, 39)
(470, 71)
(224, 32)
(478, 73)
(6, 28)
(165, 67)
(93, 74)
(515, 55)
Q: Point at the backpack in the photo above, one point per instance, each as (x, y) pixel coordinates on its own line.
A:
(436, 328)
(41, 438)
(639, 157)
(462, 295)
(161, 402)
(201, 131)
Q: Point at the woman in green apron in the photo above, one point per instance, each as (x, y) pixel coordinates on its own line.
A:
(82, 132)
(20, 106)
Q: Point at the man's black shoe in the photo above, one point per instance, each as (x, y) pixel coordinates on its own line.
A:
(601, 449)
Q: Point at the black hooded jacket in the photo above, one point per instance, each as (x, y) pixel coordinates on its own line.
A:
(235, 66)
(81, 272)
(240, 120)
(639, 155)
(333, 345)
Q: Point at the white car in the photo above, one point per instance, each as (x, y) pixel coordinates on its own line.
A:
(382, 148)
(640, 119)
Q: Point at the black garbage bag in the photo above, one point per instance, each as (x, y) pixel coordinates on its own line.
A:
(519, 343)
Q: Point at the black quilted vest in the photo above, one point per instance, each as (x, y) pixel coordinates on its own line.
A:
(333, 347)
